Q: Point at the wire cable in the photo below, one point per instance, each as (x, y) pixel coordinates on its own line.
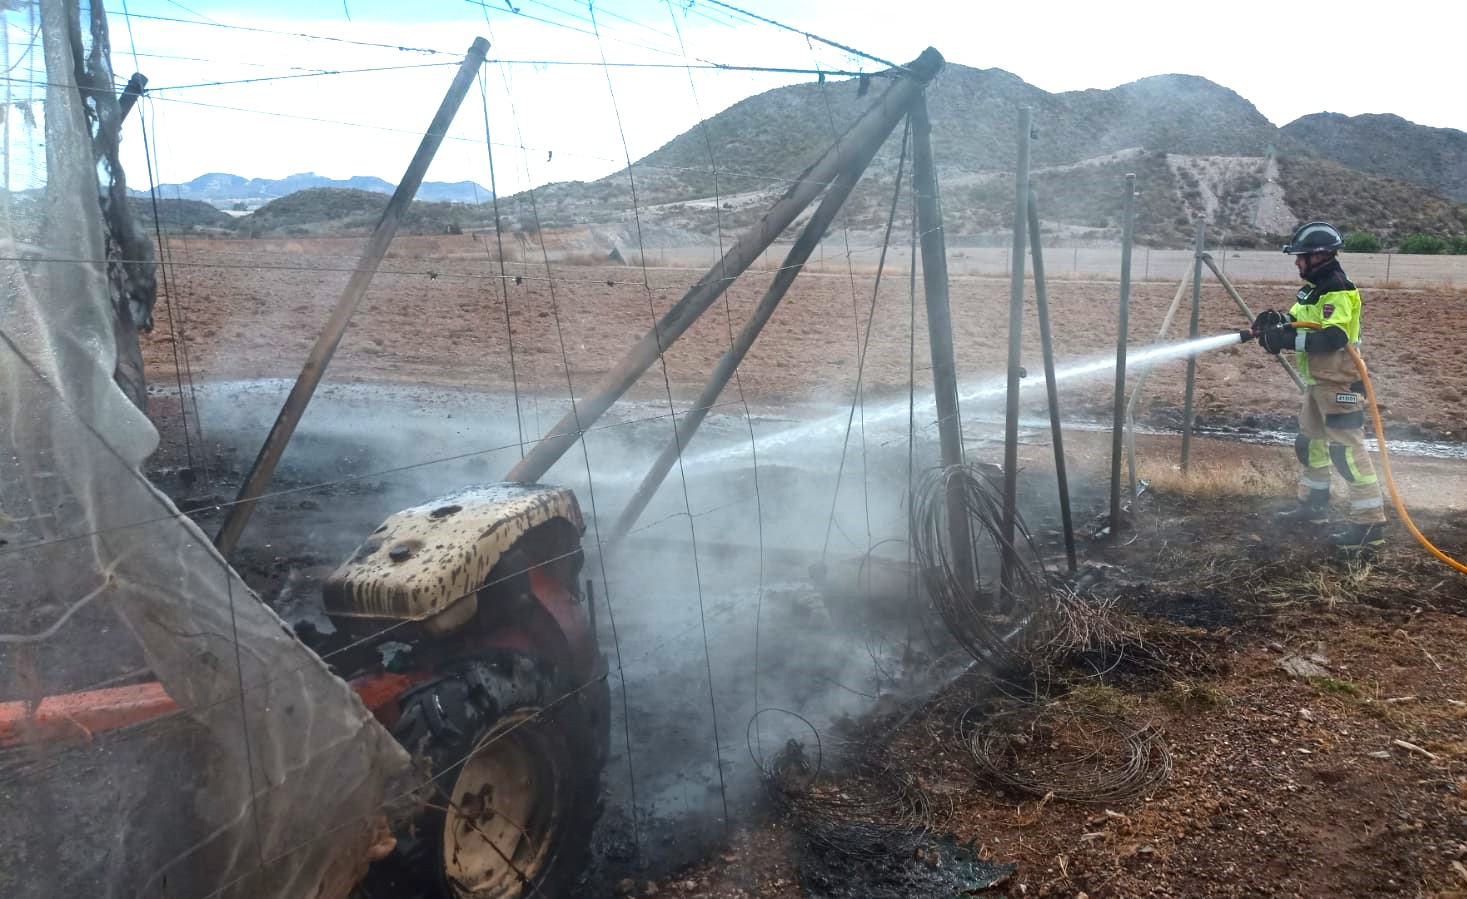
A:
(738, 380)
(672, 409)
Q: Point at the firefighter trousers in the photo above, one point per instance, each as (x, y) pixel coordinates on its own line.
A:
(1332, 434)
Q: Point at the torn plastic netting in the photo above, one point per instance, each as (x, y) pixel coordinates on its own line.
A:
(272, 780)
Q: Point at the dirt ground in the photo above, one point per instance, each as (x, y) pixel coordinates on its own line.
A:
(436, 314)
(1347, 781)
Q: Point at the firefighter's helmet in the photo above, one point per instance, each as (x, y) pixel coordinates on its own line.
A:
(1314, 237)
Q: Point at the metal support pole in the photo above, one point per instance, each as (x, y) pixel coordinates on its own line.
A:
(346, 305)
(1016, 349)
(1051, 388)
(799, 254)
(1248, 313)
(869, 132)
(1187, 411)
(1123, 327)
(940, 333)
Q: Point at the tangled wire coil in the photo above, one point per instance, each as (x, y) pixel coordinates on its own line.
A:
(871, 810)
(983, 620)
(1080, 756)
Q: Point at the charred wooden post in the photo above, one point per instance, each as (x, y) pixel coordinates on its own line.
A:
(940, 335)
(131, 94)
(346, 305)
(868, 133)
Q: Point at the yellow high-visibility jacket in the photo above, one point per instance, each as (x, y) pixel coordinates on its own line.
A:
(1331, 301)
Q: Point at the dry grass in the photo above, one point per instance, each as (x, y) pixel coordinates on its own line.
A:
(1327, 585)
(1190, 696)
(1222, 478)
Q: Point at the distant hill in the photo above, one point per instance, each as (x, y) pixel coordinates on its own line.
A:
(1388, 145)
(1199, 150)
(225, 191)
(330, 211)
(180, 216)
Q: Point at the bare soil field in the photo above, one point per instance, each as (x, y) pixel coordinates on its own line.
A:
(436, 314)
(1343, 781)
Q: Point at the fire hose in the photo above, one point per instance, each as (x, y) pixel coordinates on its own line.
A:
(1385, 458)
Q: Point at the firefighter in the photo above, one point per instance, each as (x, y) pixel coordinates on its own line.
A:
(1332, 420)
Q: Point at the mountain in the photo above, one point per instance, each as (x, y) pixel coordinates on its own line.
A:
(1199, 150)
(227, 191)
(1388, 145)
(337, 211)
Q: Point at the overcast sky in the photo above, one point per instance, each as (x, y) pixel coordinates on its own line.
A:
(1342, 57)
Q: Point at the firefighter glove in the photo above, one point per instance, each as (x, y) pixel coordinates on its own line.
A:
(1277, 337)
(1267, 319)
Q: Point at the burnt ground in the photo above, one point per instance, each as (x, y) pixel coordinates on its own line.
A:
(1280, 784)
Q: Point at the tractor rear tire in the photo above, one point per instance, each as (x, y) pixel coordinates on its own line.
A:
(515, 784)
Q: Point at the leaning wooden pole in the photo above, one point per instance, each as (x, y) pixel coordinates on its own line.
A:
(351, 298)
(1248, 314)
(940, 335)
(1051, 388)
(794, 262)
(868, 133)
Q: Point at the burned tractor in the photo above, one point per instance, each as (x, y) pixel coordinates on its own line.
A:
(473, 600)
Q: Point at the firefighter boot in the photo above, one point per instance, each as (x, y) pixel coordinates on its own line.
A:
(1312, 512)
(1358, 536)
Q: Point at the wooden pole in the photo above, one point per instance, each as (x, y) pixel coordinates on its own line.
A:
(1248, 313)
(1123, 327)
(351, 298)
(1016, 349)
(799, 254)
(1133, 400)
(940, 335)
(1051, 388)
(130, 94)
(871, 130)
(1187, 411)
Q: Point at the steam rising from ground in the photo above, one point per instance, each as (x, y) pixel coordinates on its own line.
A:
(821, 657)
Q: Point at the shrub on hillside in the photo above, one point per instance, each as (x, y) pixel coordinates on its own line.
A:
(1361, 242)
(1459, 245)
(1420, 244)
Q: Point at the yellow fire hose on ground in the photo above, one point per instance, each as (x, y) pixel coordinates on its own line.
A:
(1385, 458)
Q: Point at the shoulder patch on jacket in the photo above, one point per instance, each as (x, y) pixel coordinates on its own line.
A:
(1328, 309)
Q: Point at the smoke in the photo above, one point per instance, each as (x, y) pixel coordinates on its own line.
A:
(689, 596)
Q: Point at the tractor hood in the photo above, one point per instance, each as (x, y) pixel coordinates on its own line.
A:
(425, 559)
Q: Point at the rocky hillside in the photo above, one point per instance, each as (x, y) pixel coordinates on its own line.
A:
(1388, 145)
(1199, 150)
(227, 191)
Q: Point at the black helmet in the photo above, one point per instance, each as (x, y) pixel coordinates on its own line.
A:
(1314, 237)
